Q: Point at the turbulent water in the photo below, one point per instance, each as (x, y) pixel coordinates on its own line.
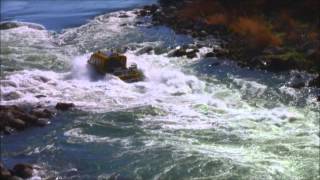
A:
(190, 119)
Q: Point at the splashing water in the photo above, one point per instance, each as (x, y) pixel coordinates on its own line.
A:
(182, 122)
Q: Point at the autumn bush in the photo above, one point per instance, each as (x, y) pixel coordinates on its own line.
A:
(256, 30)
(261, 22)
(217, 19)
(200, 9)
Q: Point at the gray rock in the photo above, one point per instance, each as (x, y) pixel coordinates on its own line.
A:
(11, 96)
(64, 106)
(23, 170)
(42, 122)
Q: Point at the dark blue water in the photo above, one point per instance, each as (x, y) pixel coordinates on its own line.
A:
(60, 14)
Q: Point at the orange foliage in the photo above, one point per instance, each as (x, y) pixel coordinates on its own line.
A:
(256, 30)
(217, 19)
(313, 36)
(200, 9)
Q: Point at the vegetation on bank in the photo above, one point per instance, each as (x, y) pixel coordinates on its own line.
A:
(289, 29)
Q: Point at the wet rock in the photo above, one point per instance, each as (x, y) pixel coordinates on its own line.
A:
(25, 116)
(44, 79)
(123, 16)
(4, 172)
(14, 24)
(273, 50)
(117, 176)
(187, 50)
(17, 124)
(178, 53)
(315, 82)
(17, 118)
(8, 130)
(8, 83)
(297, 85)
(14, 178)
(11, 96)
(23, 170)
(145, 50)
(42, 113)
(64, 106)
(318, 98)
(191, 53)
(209, 54)
(8, 25)
(138, 23)
(220, 52)
(40, 96)
(142, 13)
(42, 122)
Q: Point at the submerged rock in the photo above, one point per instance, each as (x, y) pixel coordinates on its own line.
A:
(8, 25)
(11, 96)
(14, 118)
(4, 172)
(188, 50)
(315, 82)
(14, 24)
(23, 170)
(64, 106)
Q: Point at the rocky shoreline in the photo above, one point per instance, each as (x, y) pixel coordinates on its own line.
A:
(18, 118)
(15, 119)
(19, 171)
(302, 57)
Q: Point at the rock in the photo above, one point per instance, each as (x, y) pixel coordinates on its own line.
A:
(273, 50)
(143, 13)
(315, 82)
(45, 113)
(23, 170)
(8, 130)
(14, 178)
(14, 24)
(186, 50)
(209, 54)
(11, 96)
(192, 53)
(8, 25)
(25, 116)
(64, 106)
(138, 23)
(151, 9)
(297, 85)
(117, 176)
(178, 52)
(318, 98)
(123, 16)
(17, 124)
(40, 96)
(42, 122)
(4, 172)
(220, 52)
(144, 50)
(17, 118)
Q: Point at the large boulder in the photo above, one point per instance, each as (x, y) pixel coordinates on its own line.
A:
(64, 106)
(4, 172)
(23, 170)
(315, 82)
(18, 118)
(189, 51)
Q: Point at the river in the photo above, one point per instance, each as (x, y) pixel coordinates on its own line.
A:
(190, 119)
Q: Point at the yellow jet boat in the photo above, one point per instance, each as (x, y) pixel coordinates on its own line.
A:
(116, 64)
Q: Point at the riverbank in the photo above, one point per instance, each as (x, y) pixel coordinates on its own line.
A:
(249, 40)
